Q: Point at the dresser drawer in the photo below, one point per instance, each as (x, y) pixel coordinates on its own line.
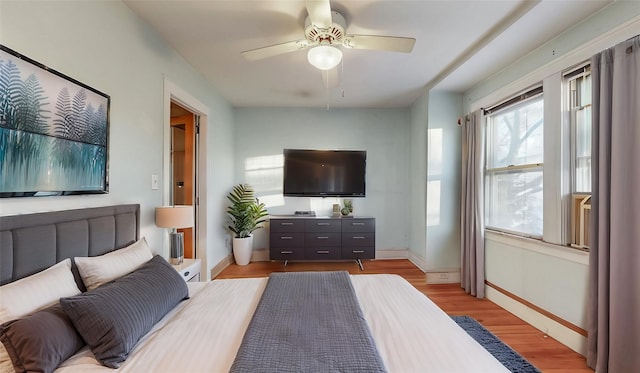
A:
(353, 239)
(286, 239)
(323, 225)
(286, 225)
(358, 252)
(319, 239)
(358, 225)
(322, 253)
(289, 253)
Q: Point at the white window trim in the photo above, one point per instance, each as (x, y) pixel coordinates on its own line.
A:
(557, 163)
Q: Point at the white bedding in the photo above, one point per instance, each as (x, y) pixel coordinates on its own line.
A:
(204, 333)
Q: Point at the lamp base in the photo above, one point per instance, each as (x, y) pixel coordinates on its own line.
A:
(177, 247)
(176, 261)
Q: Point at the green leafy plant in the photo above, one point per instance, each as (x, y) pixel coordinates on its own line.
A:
(246, 213)
(348, 204)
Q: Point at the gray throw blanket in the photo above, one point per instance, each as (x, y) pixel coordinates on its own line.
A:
(308, 322)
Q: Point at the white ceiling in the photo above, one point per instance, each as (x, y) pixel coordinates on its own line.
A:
(458, 43)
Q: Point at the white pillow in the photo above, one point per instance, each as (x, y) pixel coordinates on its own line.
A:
(98, 270)
(37, 291)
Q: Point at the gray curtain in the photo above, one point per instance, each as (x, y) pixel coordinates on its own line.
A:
(472, 208)
(614, 261)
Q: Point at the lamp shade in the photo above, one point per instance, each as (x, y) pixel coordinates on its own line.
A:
(174, 216)
(324, 57)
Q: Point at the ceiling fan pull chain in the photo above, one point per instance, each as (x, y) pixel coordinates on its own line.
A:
(326, 85)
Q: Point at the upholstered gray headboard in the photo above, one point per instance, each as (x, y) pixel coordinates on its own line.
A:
(32, 242)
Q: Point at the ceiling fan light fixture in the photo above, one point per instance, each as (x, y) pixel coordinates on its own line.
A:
(324, 57)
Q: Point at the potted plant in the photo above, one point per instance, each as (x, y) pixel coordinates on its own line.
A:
(246, 214)
(347, 210)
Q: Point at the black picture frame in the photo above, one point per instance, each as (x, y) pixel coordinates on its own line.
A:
(54, 131)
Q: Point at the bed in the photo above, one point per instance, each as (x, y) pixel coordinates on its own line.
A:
(204, 327)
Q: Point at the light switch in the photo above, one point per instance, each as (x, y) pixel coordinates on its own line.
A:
(155, 182)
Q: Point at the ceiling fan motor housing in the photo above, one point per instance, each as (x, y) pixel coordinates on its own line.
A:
(331, 35)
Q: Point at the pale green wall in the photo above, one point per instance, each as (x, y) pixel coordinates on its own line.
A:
(594, 27)
(443, 167)
(262, 134)
(435, 214)
(106, 46)
(551, 278)
(556, 284)
(418, 180)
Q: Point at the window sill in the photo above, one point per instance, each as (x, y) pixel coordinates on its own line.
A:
(539, 246)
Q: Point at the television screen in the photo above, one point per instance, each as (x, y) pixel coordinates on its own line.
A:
(324, 173)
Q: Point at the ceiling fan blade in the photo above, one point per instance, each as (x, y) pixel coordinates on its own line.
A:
(319, 13)
(274, 50)
(383, 43)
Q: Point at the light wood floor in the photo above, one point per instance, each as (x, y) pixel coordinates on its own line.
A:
(544, 352)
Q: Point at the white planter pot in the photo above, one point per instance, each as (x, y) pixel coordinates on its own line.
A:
(242, 250)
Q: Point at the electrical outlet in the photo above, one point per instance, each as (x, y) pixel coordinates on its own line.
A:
(444, 276)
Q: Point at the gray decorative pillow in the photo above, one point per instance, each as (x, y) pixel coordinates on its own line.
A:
(41, 341)
(113, 317)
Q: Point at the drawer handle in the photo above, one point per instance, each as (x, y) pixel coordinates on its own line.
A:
(286, 238)
(286, 252)
(322, 251)
(358, 237)
(322, 224)
(186, 273)
(322, 237)
(358, 251)
(357, 223)
(287, 223)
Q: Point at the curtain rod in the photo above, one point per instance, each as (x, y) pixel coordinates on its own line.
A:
(528, 94)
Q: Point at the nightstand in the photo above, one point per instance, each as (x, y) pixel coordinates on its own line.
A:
(189, 269)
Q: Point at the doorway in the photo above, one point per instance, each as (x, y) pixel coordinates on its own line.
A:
(183, 165)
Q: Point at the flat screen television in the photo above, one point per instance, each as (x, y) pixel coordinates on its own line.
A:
(324, 173)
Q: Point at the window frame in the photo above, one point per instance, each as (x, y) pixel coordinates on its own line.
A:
(513, 103)
(578, 212)
(581, 72)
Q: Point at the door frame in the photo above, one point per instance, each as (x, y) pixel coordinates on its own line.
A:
(174, 93)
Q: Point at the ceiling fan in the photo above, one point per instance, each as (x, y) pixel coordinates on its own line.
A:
(324, 31)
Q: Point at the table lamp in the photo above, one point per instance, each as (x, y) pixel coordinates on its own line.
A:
(175, 217)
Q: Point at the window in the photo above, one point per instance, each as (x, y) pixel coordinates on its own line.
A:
(578, 83)
(514, 165)
(580, 106)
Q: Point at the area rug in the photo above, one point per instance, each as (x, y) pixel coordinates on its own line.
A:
(503, 353)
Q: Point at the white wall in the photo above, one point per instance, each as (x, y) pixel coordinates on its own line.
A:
(262, 134)
(104, 45)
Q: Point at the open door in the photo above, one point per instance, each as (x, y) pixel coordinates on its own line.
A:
(183, 161)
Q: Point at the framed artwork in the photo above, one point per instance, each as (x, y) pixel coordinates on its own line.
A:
(53, 131)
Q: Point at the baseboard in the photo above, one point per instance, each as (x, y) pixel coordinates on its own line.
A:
(443, 276)
(224, 263)
(570, 338)
(418, 261)
(392, 254)
(260, 255)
